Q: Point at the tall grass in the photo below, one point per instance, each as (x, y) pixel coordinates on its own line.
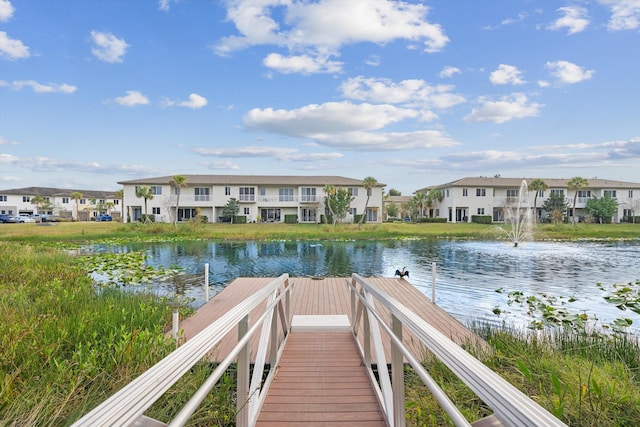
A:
(65, 345)
(583, 379)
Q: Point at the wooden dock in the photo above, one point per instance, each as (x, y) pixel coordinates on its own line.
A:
(326, 296)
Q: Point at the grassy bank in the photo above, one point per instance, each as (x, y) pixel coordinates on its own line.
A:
(90, 231)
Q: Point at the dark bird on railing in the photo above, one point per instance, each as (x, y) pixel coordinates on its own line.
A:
(402, 273)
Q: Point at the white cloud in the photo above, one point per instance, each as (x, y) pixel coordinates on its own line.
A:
(304, 64)
(625, 14)
(449, 71)
(514, 106)
(331, 117)
(12, 48)
(4, 141)
(6, 10)
(278, 153)
(132, 98)
(195, 101)
(221, 165)
(319, 29)
(47, 164)
(163, 5)
(42, 88)
(506, 74)
(347, 125)
(567, 72)
(408, 92)
(107, 47)
(574, 19)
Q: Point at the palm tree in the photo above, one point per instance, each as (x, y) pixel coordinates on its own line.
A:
(368, 183)
(576, 183)
(537, 185)
(76, 195)
(420, 199)
(434, 195)
(146, 194)
(330, 191)
(179, 182)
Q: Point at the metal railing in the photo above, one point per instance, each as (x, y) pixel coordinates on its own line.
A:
(511, 407)
(127, 406)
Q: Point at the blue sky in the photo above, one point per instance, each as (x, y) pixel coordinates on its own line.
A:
(413, 93)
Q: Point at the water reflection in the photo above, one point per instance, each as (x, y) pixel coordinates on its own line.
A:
(468, 273)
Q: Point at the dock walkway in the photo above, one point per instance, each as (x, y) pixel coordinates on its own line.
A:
(326, 296)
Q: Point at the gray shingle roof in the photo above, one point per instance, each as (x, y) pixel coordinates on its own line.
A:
(483, 181)
(57, 192)
(251, 180)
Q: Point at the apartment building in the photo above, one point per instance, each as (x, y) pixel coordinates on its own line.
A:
(80, 205)
(262, 198)
(492, 195)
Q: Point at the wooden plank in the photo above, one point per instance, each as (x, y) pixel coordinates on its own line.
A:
(321, 381)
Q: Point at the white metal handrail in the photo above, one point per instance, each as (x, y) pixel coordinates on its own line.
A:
(126, 407)
(511, 407)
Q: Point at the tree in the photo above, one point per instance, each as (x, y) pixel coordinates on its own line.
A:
(394, 192)
(602, 209)
(368, 183)
(337, 202)
(576, 184)
(76, 195)
(392, 210)
(537, 185)
(420, 199)
(145, 193)
(41, 203)
(178, 182)
(434, 195)
(231, 209)
(556, 207)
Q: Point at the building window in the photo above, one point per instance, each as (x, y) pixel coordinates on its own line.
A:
(584, 194)
(83, 201)
(631, 194)
(156, 190)
(155, 211)
(480, 211)
(307, 194)
(557, 193)
(26, 199)
(227, 191)
(285, 194)
(352, 191)
(447, 192)
(481, 192)
(101, 202)
(465, 192)
(263, 191)
(372, 215)
(65, 200)
(201, 194)
(541, 193)
(247, 194)
(611, 193)
(512, 193)
(353, 211)
(246, 211)
(116, 201)
(3, 198)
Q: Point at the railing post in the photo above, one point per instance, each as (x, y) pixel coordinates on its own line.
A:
(433, 282)
(175, 324)
(242, 392)
(206, 283)
(397, 375)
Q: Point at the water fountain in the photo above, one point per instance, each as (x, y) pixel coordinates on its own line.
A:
(518, 217)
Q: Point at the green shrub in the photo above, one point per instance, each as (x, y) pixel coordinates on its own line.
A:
(481, 219)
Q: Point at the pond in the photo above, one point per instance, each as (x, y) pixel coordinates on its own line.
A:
(473, 278)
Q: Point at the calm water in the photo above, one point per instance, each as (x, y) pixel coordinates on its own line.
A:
(468, 273)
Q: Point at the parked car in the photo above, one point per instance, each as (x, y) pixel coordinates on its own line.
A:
(9, 219)
(25, 218)
(40, 217)
(104, 217)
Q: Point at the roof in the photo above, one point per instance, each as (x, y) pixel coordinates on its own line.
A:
(57, 192)
(252, 180)
(397, 199)
(484, 181)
